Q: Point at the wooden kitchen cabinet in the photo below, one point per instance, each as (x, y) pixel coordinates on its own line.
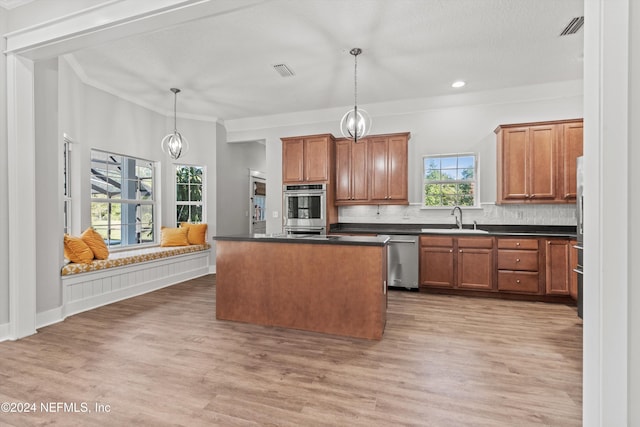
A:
(374, 171)
(307, 159)
(571, 148)
(389, 169)
(557, 267)
(352, 181)
(536, 161)
(456, 262)
(475, 263)
(436, 261)
(518, 265)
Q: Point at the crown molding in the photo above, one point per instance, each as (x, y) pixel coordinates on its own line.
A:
(79, 71)
(11, 4)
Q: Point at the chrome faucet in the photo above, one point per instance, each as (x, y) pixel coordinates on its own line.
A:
(458, 221)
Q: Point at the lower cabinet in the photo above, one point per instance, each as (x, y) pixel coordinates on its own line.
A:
(518, 265)
(456, 262)
(557, 261)
(532, 266)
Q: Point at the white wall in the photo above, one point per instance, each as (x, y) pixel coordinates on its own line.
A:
(202, 137)
(93, 118)
(448, 124)
(234, 162)
(634, 214)
(4, 190)
(48, 251)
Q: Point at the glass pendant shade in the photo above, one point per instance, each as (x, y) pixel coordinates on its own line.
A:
(356, 123)
(174, 144)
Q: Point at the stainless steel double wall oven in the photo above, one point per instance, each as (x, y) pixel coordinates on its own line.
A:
(304, 207)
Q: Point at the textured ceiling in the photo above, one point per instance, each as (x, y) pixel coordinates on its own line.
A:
(411, 49)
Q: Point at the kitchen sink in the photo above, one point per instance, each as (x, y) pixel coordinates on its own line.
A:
(453, 231)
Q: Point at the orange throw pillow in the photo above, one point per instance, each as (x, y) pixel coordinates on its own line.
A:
(96, 243)
(197, 234)
(174, 236)
(75, 250)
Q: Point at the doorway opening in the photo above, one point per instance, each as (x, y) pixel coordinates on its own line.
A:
(257, 202)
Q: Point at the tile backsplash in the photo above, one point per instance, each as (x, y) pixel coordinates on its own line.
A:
(488, 213)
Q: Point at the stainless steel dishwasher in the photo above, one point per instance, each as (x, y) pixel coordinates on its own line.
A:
(402, 261)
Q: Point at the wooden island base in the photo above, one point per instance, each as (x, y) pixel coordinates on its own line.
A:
(329, 288)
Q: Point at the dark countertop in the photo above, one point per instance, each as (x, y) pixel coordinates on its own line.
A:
(492, 229)
(308, 238)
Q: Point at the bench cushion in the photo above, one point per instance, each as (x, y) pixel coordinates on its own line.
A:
(118, 259)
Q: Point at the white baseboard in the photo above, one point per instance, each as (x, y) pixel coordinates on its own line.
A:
(49, 317)
(4, 332)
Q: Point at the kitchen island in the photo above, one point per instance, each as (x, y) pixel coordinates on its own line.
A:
(328, 284)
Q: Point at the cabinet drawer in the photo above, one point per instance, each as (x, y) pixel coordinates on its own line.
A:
(518, 281)
(517, 260)
(442, 241)
(518, 244)
(475, 242)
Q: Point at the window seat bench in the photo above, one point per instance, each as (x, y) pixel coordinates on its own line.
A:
(129, 273)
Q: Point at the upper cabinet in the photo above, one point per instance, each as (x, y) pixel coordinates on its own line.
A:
(372, 171)
(307, 159)
(352, 173)
(570, 150)
(537, 161)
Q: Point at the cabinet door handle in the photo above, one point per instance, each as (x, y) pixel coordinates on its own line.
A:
(517, 243)
(517, 259)
(450, 250)
(518, 281)
(460, 250)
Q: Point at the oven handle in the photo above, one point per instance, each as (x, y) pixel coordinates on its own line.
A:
(579, 271)
(579, 247)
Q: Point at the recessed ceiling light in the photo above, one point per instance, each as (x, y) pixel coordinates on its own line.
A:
(458, 84)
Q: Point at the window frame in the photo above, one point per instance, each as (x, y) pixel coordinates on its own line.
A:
(152, 201)
(475, 182)
(67, 180)
(203, 192)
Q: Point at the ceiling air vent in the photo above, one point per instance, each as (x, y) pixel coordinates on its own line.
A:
(283, 70)
(573, 26)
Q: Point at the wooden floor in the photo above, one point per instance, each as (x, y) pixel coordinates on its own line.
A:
(162, 359)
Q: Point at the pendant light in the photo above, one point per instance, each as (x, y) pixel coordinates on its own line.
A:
(356, 123)
(174, 144)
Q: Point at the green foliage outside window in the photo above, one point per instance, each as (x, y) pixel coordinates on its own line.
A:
(450, 180)
(189, 187)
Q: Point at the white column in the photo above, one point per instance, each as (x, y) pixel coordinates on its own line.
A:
(608, 199)
(21, 200)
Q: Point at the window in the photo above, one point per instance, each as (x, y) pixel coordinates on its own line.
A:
(190, 206)
(122, 199)
(66, 185)
(450, 180)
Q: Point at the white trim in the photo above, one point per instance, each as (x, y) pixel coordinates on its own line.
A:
(77, 68)
(21, 196)
(11, 4)
(86, 291)
(50, 317)
(4, 332)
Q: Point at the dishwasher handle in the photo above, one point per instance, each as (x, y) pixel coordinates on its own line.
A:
(413, 242)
